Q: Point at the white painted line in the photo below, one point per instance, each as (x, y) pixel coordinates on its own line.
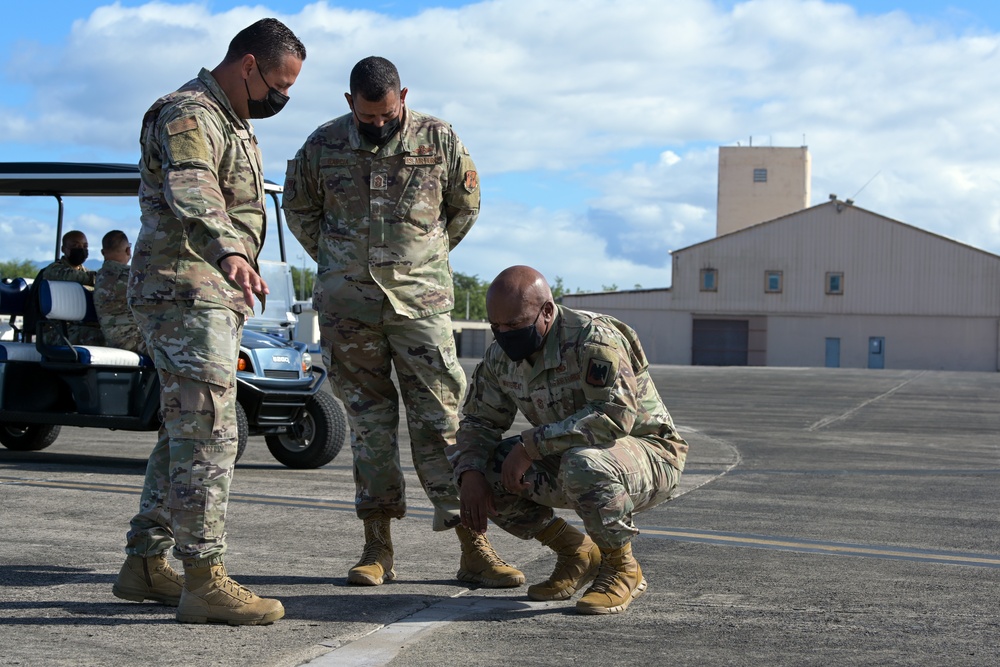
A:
(826, 421)
(383, 645)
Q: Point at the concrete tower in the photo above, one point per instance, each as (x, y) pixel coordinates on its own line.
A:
(757, 184)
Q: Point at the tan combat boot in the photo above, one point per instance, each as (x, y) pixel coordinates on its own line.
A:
(481, 565)
(577, 561)
(210, 596)
(618, 582)
(149, 578)
(375, 565)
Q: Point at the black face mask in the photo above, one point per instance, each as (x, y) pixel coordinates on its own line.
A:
(519, 344)
(77, 256)
(378, 135)
(272, 103)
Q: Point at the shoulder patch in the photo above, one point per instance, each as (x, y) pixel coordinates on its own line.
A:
(185, 141)
(471, 181)
(599, 372)
(179, 125)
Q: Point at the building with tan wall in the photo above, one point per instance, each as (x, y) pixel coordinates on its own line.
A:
(831, 285)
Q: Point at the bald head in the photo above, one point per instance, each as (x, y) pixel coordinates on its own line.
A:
(521, 311)
(519, 291)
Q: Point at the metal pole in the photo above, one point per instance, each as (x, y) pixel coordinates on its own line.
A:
(302, 278)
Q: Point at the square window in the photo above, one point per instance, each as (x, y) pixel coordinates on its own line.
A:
(709, 280)
(835, 283)
(760, 175)
(772, 282)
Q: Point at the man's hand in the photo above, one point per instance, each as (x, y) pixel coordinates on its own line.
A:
(238, 269)
(514, 467)
(476, 501)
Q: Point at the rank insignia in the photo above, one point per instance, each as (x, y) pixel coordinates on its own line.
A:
(379, 181)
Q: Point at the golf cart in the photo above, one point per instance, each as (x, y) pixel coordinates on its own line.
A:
(45, 385)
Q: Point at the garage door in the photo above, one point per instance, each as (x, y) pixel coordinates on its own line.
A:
(720, 342)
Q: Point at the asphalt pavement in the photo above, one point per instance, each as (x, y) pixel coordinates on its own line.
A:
(826, 517)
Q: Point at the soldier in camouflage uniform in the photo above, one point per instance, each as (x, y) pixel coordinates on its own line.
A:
(70, 268)
(192, 286)
(378, 197)
(601, 441)
(110, 294)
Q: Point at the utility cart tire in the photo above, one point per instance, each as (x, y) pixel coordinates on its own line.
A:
(28, 437)
(242, 429)
(316, 439)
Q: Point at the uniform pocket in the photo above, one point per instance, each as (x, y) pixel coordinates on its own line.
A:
(420, 196)
(199, 343)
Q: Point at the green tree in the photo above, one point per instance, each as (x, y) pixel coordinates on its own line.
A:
(303, 283)
(17, 268)
(558, 289)
(470, 297)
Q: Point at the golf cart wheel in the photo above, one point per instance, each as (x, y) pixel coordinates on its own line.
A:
(243, 429)
(28, 437)
(316, 438)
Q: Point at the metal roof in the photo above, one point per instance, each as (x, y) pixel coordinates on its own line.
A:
(86, 179)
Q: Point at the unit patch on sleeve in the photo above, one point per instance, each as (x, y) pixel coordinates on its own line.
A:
(185, 141)
(600, 372)
(471, 181)
(182, 125)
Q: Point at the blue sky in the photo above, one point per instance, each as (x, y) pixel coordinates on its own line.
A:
(595, 125)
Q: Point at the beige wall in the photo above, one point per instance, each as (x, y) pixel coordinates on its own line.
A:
(743, 202)
(889, 268)
(935, 301)
(925, 343)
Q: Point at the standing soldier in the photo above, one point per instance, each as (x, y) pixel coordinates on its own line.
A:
(192, 286)
(378, 197)
(601, 442)
(110, 294)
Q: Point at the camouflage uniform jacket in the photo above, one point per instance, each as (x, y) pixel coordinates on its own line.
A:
(111, 304)
(63, 270)
(110, 290)
(380, 222)
(589, 387)
(78, 333)
(202, 198)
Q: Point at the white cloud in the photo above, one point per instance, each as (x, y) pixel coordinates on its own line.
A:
(556, 243)
(535, 89)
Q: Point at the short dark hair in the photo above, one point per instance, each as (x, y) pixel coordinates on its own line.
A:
(72, 234)
(373, 78)
(114, 240)
(268, 41)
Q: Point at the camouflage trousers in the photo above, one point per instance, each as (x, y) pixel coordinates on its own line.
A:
(186, 491)
(605, 486)
(125, 337)
(77, 333)
(362, 357)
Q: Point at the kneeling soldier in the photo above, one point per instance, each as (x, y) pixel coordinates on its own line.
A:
(602, 443)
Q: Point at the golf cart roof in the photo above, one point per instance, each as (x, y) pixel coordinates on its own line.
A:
(93, 179)
(89, 179)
